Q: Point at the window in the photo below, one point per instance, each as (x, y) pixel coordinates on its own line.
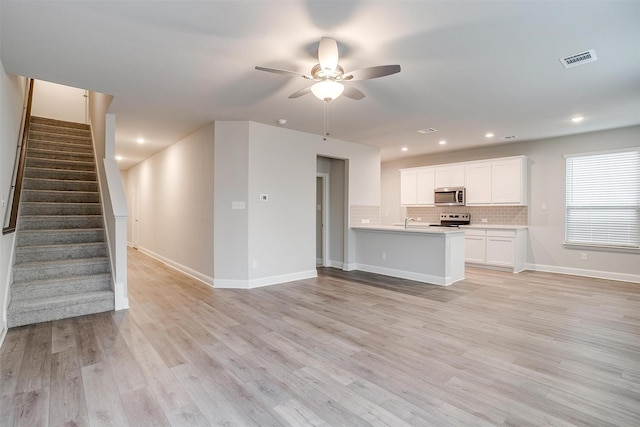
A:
(603, 199)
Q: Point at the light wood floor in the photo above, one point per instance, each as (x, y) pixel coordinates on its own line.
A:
(344, 349)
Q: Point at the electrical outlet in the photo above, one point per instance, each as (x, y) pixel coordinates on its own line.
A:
(583, 256)
(484, 220)
(384, 255)
(365, 221)
(254, 264)
(544, 206)
(418, 219)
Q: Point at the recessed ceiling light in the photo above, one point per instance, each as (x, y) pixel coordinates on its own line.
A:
(442, 142)
(119, 157)
(577, 119)
(428, 130)
(282, 122)
(404, 149)
(488, 135)
(140, 140)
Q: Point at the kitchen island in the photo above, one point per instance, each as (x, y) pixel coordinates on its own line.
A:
(433, 255)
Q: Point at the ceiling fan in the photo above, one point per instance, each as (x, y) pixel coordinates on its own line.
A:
(329, 76)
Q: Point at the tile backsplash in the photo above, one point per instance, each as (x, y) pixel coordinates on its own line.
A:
(366, 212)
(498, 215)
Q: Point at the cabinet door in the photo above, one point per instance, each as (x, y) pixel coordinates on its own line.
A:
(456, 177)
(500, 251)
(506, 182)
(408, 187)
(425, 186)
(474, 249)
(449, 176)
(478, 183)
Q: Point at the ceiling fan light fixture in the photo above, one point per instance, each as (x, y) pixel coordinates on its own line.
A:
(327, 90)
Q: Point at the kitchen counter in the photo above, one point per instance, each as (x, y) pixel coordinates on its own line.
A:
(433, 255)
(494, 227)
(401, 229)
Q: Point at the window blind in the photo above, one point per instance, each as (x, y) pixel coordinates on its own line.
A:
(603, 199)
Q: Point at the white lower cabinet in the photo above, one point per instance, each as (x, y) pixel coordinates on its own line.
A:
(501, 248)
(475, 246)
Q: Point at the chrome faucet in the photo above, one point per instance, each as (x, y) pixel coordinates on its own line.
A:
(407, 220)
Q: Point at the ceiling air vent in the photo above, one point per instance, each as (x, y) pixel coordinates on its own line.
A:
(579, 59)
(428, 130)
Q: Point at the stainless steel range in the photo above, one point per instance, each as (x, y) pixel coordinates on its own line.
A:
(453, 220)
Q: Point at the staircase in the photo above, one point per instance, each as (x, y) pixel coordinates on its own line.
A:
(61, 265)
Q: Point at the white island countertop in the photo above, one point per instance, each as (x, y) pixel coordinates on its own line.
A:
(401, 229)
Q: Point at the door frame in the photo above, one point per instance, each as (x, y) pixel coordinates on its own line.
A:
(324, 177)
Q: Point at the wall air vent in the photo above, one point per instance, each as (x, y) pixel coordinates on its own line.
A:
(579, 59)
(428, 130)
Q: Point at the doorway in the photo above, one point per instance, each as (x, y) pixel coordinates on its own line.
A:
(331, 212)
(322, 220)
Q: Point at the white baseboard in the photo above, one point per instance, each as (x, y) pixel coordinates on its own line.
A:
(3, 332)
(263, 281)
(349, 266)
(418, 277)
(177, 266)
(336, 264)
(598, 274)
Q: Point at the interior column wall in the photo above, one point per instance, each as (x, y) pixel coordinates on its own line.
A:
(12, 91)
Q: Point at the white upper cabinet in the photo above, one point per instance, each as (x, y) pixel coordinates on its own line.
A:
(508, 178)
(416, 186)
(478, 184)
(449, 176)
(489, 182)
(424, 186)
(408, 187)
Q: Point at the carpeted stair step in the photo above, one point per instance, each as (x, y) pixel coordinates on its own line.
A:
(48, 173)
(48, 288)
(52, 208)
(58, 123)
(59, 237)
(38, 153)
(60, 222)
(34, 162)
(60, 146)
(38, 253)
(73, 139)
(59, 184)
(41, 270)
(59, 130)
(60, 196)
(43, 310)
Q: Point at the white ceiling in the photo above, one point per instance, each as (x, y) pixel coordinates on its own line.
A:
(467, 67)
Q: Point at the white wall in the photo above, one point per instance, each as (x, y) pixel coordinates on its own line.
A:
(231, 184)
(175, 204)
(547, 185)
(59, 102)
(281, 232)
(12, 93)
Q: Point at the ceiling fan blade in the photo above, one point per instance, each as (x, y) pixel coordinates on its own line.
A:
(371, 72)
(328, 53)
(285, 72)
(300, 93)
(353, 93)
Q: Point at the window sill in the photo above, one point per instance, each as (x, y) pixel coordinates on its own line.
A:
(602, 248)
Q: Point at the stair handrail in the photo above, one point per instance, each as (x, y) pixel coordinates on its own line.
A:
(18, 169)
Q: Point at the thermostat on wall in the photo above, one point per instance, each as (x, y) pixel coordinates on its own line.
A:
(264, 197)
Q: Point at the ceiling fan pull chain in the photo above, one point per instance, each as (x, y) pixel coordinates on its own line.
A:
(326, 121)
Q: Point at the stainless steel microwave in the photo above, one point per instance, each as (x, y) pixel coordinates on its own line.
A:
(451, 196)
